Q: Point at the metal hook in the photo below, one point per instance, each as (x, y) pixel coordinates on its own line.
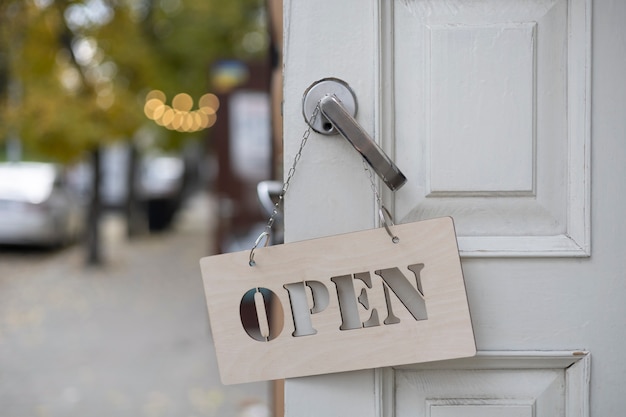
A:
(265, 234)
(384, 216)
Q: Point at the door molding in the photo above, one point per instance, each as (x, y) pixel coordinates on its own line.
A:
(576, 365)
(528, 228)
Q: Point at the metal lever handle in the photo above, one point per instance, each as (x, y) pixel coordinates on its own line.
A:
(338, 107)
(348, 127)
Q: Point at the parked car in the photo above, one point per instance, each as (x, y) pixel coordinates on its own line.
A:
(37, 207)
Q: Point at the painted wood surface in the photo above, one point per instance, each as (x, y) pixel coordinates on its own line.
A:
(538, 285)
(501, 117)
(334, 274)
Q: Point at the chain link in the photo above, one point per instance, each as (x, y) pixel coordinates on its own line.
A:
(383, 213)
(292, 170)
(281, 196)
(370, 175)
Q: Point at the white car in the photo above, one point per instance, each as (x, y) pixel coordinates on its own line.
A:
(36, 205)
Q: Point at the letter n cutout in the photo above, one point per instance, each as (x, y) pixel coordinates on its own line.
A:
(411, 297)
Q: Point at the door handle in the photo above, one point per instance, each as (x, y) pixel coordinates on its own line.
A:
(348, 127)
(336, 103)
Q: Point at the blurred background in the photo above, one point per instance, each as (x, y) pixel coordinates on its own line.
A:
(136, 136)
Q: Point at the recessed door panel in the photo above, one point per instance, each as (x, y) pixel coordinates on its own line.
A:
(491, 122)
(510, 384)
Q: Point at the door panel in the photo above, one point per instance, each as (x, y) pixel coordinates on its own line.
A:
(464, 118)
(499, 384)
(491, 122)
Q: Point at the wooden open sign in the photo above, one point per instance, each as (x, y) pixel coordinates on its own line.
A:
(339, 303)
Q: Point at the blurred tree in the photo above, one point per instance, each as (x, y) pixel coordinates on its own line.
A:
(74, 74)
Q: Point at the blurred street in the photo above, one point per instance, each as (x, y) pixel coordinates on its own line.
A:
(129, 339)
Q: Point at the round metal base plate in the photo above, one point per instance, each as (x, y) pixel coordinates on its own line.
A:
(317, 91)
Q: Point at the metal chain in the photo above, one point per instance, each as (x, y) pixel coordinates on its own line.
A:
(292, 170)
(370, 175)
(383, 213)
(281, 196)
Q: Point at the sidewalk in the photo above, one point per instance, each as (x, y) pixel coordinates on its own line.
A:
(129, 339)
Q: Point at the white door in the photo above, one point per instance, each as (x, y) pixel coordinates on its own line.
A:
(509, 116)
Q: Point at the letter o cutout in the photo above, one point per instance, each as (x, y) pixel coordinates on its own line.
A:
(273, 314)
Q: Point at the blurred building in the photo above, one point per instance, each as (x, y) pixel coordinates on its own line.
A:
(245, 151)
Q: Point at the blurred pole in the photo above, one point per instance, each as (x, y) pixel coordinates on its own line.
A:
(14, 148)
(94, 256)
(131, 206)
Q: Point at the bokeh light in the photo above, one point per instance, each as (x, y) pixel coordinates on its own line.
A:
(158, 94)
(209, 100)
(180, 116)
(182, 102)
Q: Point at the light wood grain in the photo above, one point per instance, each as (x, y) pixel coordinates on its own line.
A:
(447, 333)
